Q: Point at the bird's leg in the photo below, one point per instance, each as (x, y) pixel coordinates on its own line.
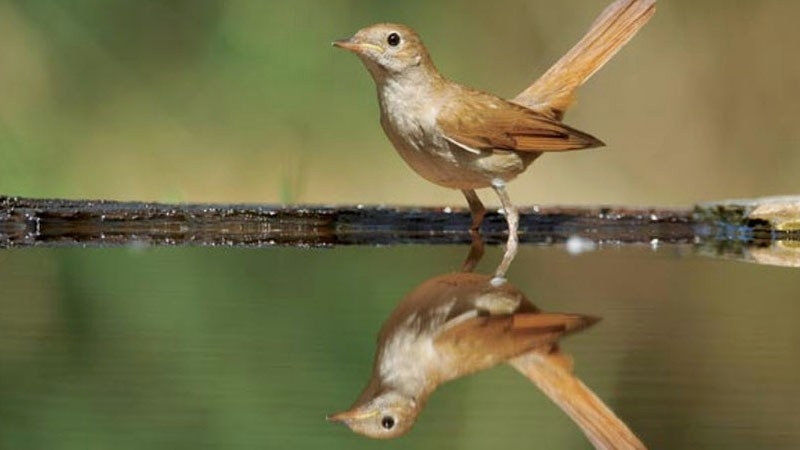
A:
(512, 218)
(477, 210)
(475, 207)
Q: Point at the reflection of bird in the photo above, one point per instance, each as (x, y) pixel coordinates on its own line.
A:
(448, 327)
(466, 139)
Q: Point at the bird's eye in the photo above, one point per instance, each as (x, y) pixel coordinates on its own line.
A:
(387, 422)
(393, 39)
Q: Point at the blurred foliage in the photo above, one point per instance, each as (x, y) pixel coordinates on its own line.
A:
(236, 100)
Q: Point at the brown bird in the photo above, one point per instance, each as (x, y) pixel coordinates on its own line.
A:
(465, 139)
(457, 324)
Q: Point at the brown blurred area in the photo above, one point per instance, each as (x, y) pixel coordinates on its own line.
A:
(241, 101)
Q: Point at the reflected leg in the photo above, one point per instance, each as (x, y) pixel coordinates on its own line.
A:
(475, 252)
(512, 218)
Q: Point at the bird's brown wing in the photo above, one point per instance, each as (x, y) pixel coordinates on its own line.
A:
(493, 123)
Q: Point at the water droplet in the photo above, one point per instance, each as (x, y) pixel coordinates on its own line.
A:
(578, 244)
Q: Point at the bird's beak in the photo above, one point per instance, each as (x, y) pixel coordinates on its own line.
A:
(355, 46)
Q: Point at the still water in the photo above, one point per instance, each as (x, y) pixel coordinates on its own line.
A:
(166, 348)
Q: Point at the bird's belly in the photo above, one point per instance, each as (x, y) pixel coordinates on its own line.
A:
(450, 166)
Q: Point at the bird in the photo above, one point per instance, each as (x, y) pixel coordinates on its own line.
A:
(456, 324)
(466, 139)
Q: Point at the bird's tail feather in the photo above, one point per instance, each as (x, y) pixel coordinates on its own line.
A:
(554, 91)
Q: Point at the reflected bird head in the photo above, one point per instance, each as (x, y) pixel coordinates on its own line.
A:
(388, 415)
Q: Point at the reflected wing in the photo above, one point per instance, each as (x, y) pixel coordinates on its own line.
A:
(497, 124)
(508, 335)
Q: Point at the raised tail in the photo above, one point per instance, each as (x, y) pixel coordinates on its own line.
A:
(552, 373)
(554, 91)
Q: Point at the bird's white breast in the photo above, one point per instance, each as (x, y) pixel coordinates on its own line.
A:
(408, 115)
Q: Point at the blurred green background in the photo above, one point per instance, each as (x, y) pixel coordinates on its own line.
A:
(241, 100)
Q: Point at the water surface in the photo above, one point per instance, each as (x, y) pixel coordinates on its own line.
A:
(251, 348)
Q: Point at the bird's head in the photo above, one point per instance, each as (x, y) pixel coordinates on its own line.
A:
(388, 49)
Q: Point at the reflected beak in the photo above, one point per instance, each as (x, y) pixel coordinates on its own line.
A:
(354, 46)
(337, 418)
(347, 416)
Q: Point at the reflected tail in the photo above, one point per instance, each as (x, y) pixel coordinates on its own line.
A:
(552, 373)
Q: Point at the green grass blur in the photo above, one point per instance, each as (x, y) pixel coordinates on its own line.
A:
(238, 100)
